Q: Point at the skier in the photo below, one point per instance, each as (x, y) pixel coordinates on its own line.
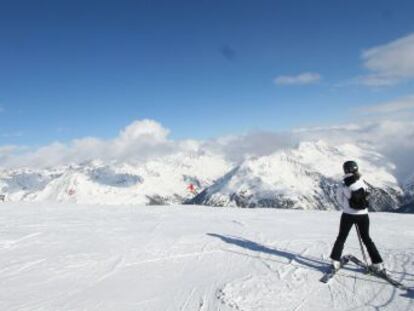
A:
(192, 189)
(352, 195)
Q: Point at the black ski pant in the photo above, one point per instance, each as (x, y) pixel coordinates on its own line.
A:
(362, 221)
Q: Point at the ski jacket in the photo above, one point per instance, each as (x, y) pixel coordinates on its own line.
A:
(344, 192)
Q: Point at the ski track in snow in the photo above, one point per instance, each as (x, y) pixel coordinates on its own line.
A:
(69, 257)
(117, 264)
(14, 243)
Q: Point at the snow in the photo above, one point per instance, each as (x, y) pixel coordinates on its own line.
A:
(304, 178)
(163, 179)
(327, 159)
(408, 201)
(409, 187)
(65, 256)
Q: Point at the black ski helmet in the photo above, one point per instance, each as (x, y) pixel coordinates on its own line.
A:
(350, 167)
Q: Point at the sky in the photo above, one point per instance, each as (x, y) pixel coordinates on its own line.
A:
(73, 70)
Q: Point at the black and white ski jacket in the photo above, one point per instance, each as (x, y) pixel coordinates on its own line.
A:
(344, 192)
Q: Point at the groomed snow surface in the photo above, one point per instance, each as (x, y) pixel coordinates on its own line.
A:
(56, 256)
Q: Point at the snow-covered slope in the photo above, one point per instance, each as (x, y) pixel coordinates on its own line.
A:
(18, 184)
(73, 257)
(305, 178)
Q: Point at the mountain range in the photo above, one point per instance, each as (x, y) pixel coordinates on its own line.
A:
(304, 177)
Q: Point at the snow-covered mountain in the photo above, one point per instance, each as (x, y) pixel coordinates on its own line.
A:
(160, 181)
(409, 188)
(304, 178)
(408, 200)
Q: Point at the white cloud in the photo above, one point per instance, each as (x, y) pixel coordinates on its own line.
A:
(8, 149)
(147, 139)
(393, 138)
(300, 79)
(137, 142)
(238, 147)
(8, 152)
(148, 130)
(398, 105)
(12, 134)
(390, 63)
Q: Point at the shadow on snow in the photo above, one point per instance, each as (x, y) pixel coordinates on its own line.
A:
(305, 261)
(313, 263)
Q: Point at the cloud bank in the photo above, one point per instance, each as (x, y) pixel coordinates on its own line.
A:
(398, 105)
(139, 141)
(147, 139)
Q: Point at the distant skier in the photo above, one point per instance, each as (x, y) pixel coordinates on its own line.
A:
(352, 195)
(192, 189)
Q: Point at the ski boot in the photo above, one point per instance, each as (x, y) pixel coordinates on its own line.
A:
(378, 268)
(336, 265)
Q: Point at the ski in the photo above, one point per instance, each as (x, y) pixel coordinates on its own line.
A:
(382, 275)
(331, 273)
(359, 262)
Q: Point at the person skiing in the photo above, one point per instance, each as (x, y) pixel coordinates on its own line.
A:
(192, 189)
(353, 195)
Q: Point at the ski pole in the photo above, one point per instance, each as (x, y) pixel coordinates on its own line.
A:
(362, 247)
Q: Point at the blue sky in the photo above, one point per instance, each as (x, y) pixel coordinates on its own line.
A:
(203, 69)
